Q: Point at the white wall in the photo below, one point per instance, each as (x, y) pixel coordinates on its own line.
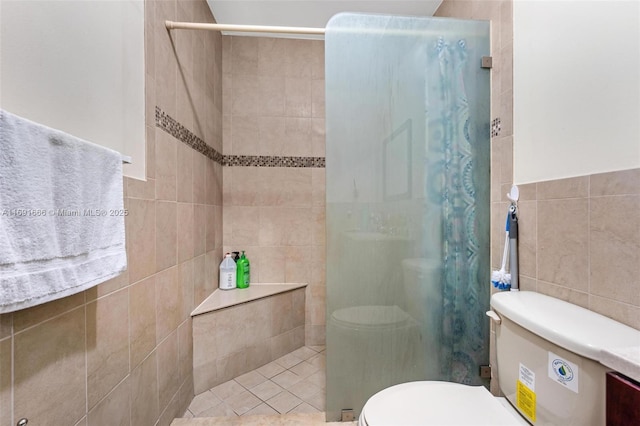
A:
(576, 88)
(78, 66)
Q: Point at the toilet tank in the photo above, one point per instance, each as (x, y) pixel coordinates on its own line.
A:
(548, 357)
(422, 281)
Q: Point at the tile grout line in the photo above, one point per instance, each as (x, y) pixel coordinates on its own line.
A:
(86, 361)
(13, 361)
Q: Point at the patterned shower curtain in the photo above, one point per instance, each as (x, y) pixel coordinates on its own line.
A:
(451, 185)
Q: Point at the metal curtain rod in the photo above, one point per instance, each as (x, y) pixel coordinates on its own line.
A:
(171, 25)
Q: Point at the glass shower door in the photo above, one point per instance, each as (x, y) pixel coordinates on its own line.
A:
(407, 203)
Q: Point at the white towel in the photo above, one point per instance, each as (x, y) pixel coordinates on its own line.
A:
(61, 214)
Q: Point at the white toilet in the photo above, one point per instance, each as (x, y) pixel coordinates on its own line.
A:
(548, 354)
(422, 280)
(387, 331)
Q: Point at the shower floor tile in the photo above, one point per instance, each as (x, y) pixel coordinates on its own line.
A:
(293, 418)
(292, 384)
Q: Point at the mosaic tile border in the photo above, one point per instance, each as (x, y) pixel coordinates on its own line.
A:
(272, 161)
(496, 127)
(178, 131)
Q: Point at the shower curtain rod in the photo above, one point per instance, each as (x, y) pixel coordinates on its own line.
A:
(171, 25)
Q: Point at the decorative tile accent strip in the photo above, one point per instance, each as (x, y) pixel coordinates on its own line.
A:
(178, 131)
(272, 161)
(495, 127)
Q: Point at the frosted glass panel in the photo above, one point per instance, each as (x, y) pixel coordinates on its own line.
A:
(407, 203)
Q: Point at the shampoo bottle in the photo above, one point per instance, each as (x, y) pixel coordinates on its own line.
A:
(227, 273)
(243, 271)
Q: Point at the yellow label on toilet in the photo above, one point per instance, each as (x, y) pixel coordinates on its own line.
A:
(526, 400)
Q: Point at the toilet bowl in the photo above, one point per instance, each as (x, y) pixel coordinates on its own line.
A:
(375, 329)
(379, 344)
(549, 368)
(438, 403)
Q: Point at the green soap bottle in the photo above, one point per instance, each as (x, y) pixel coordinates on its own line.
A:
(243, 271)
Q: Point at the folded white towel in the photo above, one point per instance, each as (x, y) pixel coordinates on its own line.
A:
(61, 214)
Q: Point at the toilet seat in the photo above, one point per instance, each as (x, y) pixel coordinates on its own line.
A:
(371, 317)
(437, 403)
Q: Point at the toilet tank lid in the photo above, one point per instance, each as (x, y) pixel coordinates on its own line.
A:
(572, 327)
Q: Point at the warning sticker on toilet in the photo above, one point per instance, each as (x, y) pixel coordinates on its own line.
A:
(525, 392)
(527, 377)
(526, 400)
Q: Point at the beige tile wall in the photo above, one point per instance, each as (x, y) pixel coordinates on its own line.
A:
(274, 106)
(232, 341)
(579, 237)
(121, 353)
(587, 246)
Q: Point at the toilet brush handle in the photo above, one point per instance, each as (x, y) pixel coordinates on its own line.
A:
(505, 253)
(513, 246)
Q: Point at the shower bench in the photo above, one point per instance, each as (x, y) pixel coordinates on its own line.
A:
(237, 331)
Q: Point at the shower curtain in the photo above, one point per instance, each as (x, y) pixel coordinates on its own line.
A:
(463, 325)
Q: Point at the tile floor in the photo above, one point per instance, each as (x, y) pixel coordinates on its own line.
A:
(294, 383)
(290, 419)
